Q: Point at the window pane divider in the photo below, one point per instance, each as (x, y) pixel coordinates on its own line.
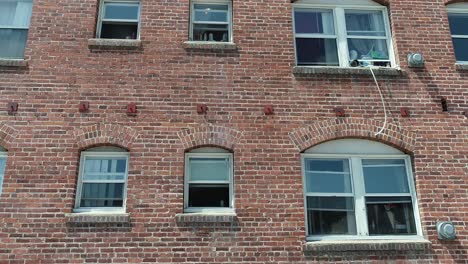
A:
(14, 27)
(387, 194)
(327, 172)
(366, 37)
(211, 22)
(460, 36)
(103, 181)
(309, 35)
(208, 182)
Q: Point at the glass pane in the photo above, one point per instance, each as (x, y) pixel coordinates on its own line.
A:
(458, 24)
(461, 50)
(385, 176)
(102, 195)
(209, 169)
(313, 21)
(330, 176)
(105, 169)
(119, 31)
(365, 23)
(15, 13)
(211, 13)
(315, 51)
(331, 216)
(2, 172)
(390, 216)
(209, 195)
(121, 11)
(207, 32)
(13, 43)
(368, 49)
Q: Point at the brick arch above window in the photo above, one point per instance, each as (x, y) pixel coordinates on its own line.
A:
(7, 135)
(209, 135)
(105, 134)
(327, 130)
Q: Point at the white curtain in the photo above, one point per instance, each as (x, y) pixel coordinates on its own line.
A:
(327, 24)
(366, 24)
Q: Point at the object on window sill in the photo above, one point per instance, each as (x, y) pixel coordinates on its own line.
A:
(326, 70)
(13, 63)
(97, 217)
(209, 45)
(207, 217)
(326, 247)
(114, 43)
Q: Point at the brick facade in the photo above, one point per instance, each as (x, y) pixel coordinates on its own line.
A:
(168, 78)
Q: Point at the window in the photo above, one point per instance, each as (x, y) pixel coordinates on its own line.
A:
(14, 25)
(3, 157)
(359, 189)
(102, 181)
(208, 180)
(119, 20)
(458, 19)
(337, 35)
(211, 21)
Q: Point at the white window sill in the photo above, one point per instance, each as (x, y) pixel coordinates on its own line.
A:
(461, 66)
(209, 45)
(114, 43)
(367, 245)
(98, 217)
(13, 63)
(330, 70)
(207, 217)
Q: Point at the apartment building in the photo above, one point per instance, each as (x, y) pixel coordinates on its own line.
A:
(222, 131)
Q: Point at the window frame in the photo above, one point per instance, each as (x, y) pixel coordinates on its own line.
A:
(3, 155)
(105, 154)
(457, 8)
(20, 28)
(102, 13)
(215, 2)
(188, 209)
(341, 32)
(359, 195)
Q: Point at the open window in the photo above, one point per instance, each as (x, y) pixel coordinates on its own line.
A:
(458, 19)
(359, 189)
(102, 180)
(3, 157)
(211, 20)
(208, 180)
(337, 34)
(119, 19)
(14, 24)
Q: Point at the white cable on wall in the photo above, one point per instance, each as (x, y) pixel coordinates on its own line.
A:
(383, 103)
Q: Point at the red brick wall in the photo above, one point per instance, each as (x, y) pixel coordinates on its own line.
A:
(167, 82)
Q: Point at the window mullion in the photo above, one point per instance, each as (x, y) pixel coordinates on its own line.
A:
(359, 194)
(340, 22)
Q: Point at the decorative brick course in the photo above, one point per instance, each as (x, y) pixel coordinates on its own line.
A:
(114, 43)
(80, 218)
(13, 63)
(206, 218)
(311, 71)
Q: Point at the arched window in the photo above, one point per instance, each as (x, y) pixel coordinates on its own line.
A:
(3, 156)
(102, 180)
(357, 188)
(208, 180)
(458, 20)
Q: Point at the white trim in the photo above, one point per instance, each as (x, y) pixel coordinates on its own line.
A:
(340, 29)
(229, 19)
(230, 182)
(357, 179)
(103, 155)
(102, 10)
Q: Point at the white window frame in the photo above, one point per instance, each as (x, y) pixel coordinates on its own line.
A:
(340, 30)
(19, 28)
(359, 194)
(3, 155)
(98, 154)
(214, 2)
(229, 209)
(120, 2)
(458, 8)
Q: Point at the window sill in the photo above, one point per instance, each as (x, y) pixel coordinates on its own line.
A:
(13, 63)
(209, 45)
(367, 245)
(97, 217)
(206, 217)
(461, 66)
(114, 43)
(323, 70)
